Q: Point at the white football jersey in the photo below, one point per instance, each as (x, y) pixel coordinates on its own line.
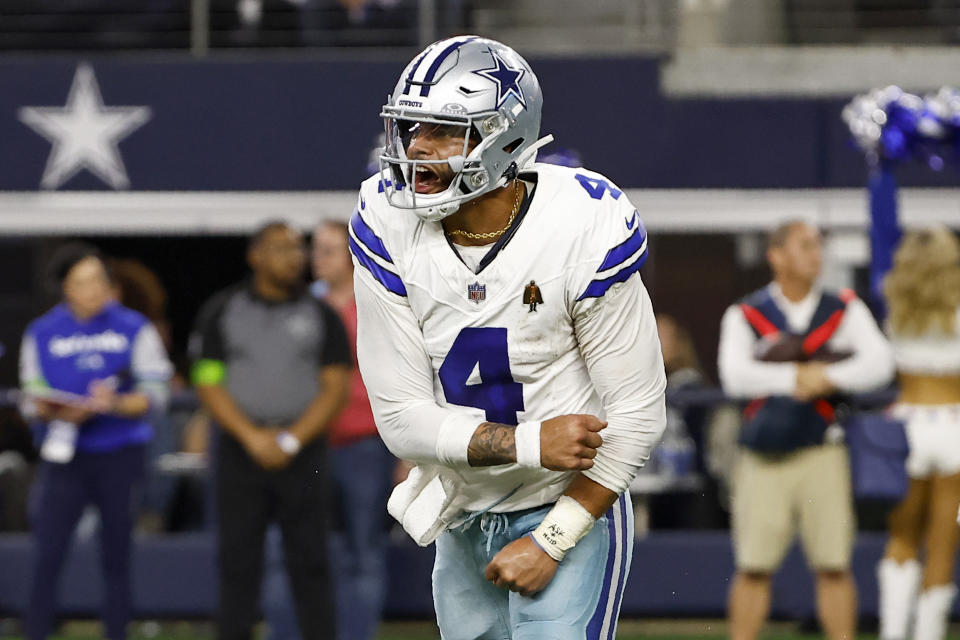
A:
(555, 321)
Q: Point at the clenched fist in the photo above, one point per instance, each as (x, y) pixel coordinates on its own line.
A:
(521, 566)
(570, 443)
(261, 445)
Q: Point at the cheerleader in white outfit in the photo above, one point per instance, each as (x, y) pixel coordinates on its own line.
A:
(923, 294)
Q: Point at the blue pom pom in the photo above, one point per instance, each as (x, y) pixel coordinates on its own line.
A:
(891, 126)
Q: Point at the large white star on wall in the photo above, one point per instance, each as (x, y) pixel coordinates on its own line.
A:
(84, 133)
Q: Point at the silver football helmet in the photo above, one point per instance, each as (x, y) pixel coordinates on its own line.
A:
(467, 91)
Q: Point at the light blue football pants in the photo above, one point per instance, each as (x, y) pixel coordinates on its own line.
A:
(582, 602)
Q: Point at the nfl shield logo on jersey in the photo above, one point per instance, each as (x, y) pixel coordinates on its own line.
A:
(476, 292)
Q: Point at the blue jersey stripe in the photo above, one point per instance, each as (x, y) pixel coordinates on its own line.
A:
(380, 186)
(598, 288)
(624, 250)
(432, 71)
(388, 279)
(368, 237)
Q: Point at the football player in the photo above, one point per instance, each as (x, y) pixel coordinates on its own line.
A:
(527, 428)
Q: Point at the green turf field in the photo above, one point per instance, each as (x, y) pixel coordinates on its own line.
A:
(629, 630)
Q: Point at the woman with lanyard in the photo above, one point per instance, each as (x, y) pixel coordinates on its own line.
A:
(923, 294)
(91, 370)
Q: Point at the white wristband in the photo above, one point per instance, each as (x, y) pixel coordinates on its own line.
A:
(526, 438)
(288, 443)
(563, 527)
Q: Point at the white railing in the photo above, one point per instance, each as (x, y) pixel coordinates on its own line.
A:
(240, 212)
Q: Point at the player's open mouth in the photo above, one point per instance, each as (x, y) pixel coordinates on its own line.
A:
(426, 180)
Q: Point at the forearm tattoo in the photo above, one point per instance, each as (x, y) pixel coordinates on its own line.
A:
(492, 444)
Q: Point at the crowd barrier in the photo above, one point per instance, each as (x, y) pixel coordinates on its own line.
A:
(673, 574)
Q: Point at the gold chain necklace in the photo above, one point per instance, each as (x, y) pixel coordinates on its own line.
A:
(493, 234)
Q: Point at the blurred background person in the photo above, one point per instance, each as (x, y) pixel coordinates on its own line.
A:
(137, 287)
(684, 450)
(361, 464)
(562, 156)
(790, 348)
(923, 294)
(17, 461)
(272, 369)
(17, 456)
(190, 504)
(92, 370)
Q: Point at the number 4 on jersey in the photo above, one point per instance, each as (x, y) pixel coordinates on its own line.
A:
(497, 393)
(596, 187)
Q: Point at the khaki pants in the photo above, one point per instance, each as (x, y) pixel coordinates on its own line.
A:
(775, 495)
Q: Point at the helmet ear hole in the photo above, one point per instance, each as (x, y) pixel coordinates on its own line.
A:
(512, 146)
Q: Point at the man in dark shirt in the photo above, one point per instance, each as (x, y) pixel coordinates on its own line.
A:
(271, 365)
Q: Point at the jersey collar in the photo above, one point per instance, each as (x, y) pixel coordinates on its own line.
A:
(511, 231)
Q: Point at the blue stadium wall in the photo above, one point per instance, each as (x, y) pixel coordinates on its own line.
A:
(310, 124)
(673, 574)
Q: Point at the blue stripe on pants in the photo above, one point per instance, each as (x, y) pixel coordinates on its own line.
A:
(603, 623)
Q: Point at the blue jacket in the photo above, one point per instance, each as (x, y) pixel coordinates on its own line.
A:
(118, 344)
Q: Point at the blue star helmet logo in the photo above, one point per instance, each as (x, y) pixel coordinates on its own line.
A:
(507, 79)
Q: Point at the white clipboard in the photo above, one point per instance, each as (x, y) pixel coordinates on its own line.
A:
(56, 395)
